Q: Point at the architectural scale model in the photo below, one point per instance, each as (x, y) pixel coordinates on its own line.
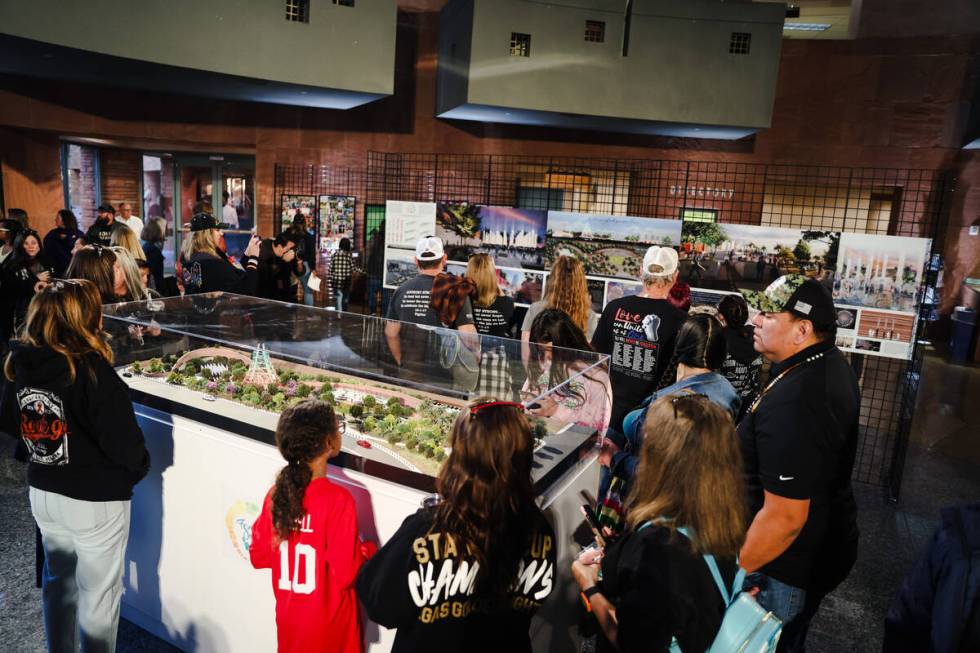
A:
(408, 428)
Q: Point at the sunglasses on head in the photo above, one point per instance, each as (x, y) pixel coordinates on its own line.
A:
(692, 395)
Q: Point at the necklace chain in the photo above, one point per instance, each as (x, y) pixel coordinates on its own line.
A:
(779, 377)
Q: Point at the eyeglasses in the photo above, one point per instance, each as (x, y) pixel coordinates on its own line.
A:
(341, 426)
(477, 408)
(692, 395)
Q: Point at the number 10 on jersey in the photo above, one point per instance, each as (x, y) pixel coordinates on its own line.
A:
(304, 557)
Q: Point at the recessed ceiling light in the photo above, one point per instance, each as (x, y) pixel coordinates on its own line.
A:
(806, 27)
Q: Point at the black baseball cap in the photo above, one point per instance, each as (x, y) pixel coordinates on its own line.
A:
(106, 208)
(796, 294)
(205, 221)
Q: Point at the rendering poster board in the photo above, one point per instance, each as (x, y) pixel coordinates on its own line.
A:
(515, 238)
(877, 292)
(609, 246)
(405, 223)
(336, 221)
(723, 256)
(293, 204)
(524, 286)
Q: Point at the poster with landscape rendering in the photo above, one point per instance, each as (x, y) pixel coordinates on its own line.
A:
(607, 245)
(515, 238)
(721, 256)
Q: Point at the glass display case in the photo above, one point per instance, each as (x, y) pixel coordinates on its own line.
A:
(236, 362)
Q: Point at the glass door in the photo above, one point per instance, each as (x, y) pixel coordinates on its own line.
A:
(227, 183)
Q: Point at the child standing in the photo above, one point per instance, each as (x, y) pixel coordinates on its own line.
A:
(307, 534)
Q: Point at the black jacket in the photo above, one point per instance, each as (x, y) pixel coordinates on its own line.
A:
(19, 281)
(154, 258)
(662, 589)
(211, 273)
(275, 275)
(57, 247)
(938, 607)
(83, 438)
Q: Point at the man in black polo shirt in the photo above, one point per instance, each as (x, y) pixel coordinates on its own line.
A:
(798, 442)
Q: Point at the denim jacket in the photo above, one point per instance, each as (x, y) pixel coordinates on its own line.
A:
(713, 385)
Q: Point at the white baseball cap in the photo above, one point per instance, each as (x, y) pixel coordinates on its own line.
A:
(428, 248)
(664, 258)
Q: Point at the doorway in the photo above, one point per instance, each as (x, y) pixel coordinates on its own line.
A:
(226, 182)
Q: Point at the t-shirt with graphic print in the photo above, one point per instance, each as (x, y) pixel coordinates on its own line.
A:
(638, 334)
(411, 304)
(422, 583)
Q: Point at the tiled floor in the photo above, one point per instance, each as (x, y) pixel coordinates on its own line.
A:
(943, 468)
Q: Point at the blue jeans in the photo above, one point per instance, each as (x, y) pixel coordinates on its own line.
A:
(307, 292)
(784, 601)
(340, 299)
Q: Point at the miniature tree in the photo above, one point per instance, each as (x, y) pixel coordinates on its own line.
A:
(369, 401)
(356, 411)
(303, 390)
(175, 378)
(370, 424)
(136, 367)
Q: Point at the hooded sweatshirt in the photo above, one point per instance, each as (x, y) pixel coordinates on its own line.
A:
(82, 437)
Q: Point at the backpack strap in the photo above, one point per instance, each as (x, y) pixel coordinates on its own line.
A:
(716, 573)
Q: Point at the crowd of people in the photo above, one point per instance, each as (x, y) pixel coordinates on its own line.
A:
(714, 484)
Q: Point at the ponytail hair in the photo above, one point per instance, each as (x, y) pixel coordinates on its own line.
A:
(701, 343)
(735, 311)
(301, 436)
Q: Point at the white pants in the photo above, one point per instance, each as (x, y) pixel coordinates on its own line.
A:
(84, 549)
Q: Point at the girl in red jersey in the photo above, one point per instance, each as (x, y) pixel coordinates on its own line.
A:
(307, 534)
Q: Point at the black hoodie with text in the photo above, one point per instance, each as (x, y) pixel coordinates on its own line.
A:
(422, 583)
(82, 436)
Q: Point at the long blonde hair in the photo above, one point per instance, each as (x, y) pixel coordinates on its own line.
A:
(568, 291)
(134, 281)
(690, 474)
(483, 272)
(67, 317)
(205, 240)
(126, 239)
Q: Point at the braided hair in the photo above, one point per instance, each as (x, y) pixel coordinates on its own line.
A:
(700, 343)
(301, 436)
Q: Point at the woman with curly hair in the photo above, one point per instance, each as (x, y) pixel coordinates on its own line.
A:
(486, 534)
(307, 534)
(565, 290)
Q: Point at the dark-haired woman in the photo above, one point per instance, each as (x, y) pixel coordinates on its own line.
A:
(86, 453)
(582, 395)
(307, 534)
(743, 363)
(60, 241)
(468, 573)
(699, 353)
(28, 272)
